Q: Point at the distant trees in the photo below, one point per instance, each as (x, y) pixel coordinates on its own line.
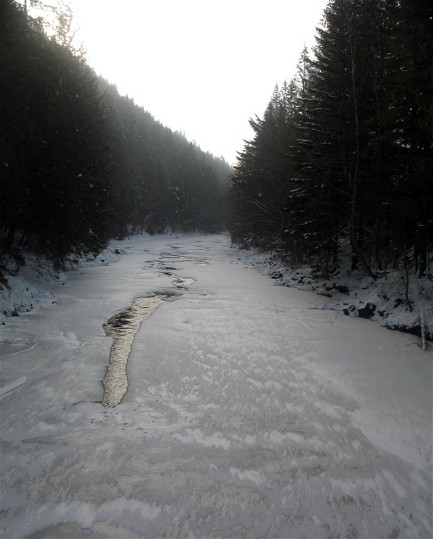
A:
(78, 163)
(161, 181)
(352, 166)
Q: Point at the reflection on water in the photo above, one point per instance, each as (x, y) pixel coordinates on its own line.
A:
(183, 282)
(122, 327)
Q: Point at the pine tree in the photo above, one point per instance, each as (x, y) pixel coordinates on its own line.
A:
(260, 183)
(354, 162)
(410, 106)
(53, 122)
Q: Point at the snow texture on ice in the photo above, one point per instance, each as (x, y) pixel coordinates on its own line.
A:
(249, 412)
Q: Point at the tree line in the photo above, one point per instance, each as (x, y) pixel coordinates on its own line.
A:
(79, 164)
(341, 161)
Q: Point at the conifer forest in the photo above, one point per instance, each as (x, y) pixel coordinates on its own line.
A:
(340, 164)
(341, 161)
(79, 163)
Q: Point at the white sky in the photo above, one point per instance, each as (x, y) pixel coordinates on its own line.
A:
(203, 67)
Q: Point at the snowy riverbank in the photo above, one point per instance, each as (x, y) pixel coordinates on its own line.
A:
(31, 288)
(383, 301)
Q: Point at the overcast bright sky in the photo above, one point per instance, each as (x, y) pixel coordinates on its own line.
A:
(203, 67)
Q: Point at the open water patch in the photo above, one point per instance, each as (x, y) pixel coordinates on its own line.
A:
(122, 327)
(183, 282)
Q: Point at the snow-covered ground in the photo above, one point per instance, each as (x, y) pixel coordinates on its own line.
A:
(251, 410)
(395, 300)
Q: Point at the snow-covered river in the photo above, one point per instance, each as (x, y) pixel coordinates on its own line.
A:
(249, 413)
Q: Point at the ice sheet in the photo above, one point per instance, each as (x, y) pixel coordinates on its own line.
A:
(249, 412)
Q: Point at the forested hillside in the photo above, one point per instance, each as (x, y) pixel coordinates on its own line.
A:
(341, 162)
(79, 163)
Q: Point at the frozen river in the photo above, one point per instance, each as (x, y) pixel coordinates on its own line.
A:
(248, 412)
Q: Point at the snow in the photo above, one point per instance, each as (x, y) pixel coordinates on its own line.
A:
(28, 290)
(251, 411)
(13, 385)
(383, 300)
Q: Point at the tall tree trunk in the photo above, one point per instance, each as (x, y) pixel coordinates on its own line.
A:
(353, 224)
